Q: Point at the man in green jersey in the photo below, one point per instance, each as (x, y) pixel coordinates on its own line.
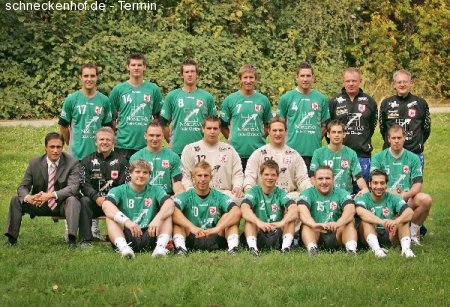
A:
(269, 213)
(342, 159)
(138, 214)
(166, 165)
(248, 112)
(204, 218)
(306, 111)
(384, 217)
(405, 177)
(134, 103)
(83, 113)
(186, 107)
(327, 214)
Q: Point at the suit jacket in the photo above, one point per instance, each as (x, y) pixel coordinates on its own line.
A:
(35, 179)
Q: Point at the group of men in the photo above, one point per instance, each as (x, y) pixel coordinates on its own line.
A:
(198, 191)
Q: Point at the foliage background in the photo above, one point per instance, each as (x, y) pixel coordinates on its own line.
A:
(41, 50)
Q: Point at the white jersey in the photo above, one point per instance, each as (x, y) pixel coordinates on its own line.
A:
(224, 160)
(293, 173)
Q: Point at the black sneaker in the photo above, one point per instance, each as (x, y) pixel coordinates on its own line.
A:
(233, 251)
(86, 245)
(285, 250)
(254, 251)
(314, 251)
(71, 245)
(9, 244)
(179, 251)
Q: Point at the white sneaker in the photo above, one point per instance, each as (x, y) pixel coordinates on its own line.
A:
(96, 231)
(416, 241)
(127, 252)
(408, 253)
(380, 253)
(160, 251)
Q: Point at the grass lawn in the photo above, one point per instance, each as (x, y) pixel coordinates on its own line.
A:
(40, 271)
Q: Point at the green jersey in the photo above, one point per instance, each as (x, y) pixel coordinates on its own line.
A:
(268, 208)
(305, 115)
(84, 116)
(165, 167)
(187, 111)
(345, 165)
(325, 208)
(140, 207)
(134, 107)
(403, 171)
(203, 212)
(388, 208)
(247, 116)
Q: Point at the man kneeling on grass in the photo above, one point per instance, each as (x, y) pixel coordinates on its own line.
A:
(269, 216)
(138, 214)
(378, 210)
(327, 214)
(204, 218)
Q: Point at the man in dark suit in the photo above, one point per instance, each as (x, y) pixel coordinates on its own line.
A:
(49, 187)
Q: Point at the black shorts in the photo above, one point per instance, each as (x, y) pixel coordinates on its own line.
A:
(383, 237)
(143, 243)
(329, 241)
(211, 243)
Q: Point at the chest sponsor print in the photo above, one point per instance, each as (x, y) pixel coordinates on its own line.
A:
(147, 97)
(147, 202)
(165, 163)
(386, 211)
(333, 205)
(257, 107)
(412, 112)
(315, 106)
(274, 208)
(361, 108)
(212, 210)
(98, 110)
(406, 169)
(344, 163)
(199, 103)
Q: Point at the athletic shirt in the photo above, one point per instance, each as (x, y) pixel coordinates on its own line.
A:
(85, 116)
(247, 116)
(268, 208)
(165, 166)
(305, 115)
(402, 172)
(203, 212)
(224, 160)
(345, 165)
(388, 208)
(325, 208)
(134, 107)
(187, 111)
(293, 173)
(140, 207)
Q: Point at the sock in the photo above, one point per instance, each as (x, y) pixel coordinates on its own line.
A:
(179, 241)
(120, 242)
(414, 229)
(287, 241)
(372, 240)
(311, 246)
(233, 241)
(162, 240)
(351, 245)
(405, 243)
(251, 242)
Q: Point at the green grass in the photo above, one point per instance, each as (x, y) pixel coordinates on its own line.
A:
(40, 271)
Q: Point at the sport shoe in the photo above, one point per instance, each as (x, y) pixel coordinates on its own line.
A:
(380, 253)
(86, 245)
(314, 251)
(233, 251)
(66, 231)
(423, 230)
(254, 251)
(415, 240)
(127, 252)
(160, 251)
(285, 250)
(179, 251)
(96, 232)
(408, 253)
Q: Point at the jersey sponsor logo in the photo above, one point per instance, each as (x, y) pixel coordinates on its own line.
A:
(147, 201)
(257, 107)
(344, 163)
(333, 205)
(95, 162)
(199, 103)
(340, 99)
(361, 108)
(287, 160)
(114, 162)
(165, 163)
(341, 110)
(98, 110)
(393, 104)
(147, 97)
(412, 104)
(362, 99)
(406, 169)
(315, 106)
(223, 158)
(386, 211)
(392, 114)
(283, 170)
(212, 211)
(114, 174)
(197, 148)
(274, 208)
(411, 112)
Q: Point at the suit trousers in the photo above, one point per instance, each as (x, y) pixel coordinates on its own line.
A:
(89, 211)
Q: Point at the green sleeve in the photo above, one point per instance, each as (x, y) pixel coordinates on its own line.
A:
(166, 111)
(354, 164)
(157, 101)
(376, 162)
(114, 99)
(175, 165)
(267, 112)
(180, 201)
(115, 196)
(315, 160)
(161, 195)
(212, 110)
(67, 107)
(399, 204)
(282, 105)
(325, 110)
(250, 198)
(224, 203)
(107, 111)
(416, 167)
(225, 113)
(305, 198)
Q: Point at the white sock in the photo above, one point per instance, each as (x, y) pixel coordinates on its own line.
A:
(120, 242)
(311, 246)
(179, 241)
(233, 241)
(251, 242)
(162, 240)
(405, 243)
(414, 229)
(287, 241)
(94, 224)
(351, 245)
(372, 240)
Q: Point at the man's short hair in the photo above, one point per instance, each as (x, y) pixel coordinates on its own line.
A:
(324, 167)
(88, 65)
(210, 118)
(140, 163)
(53, 136)
(304, 65)
(378, 172)
(396, 127)
(352, 70)
(401, 72)
(202, 165)
(155, 123)
(106, 130)
(278, 119)
(247, 68)
(335, 122)
(269, 164)
(189, 62)
(136, 56)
